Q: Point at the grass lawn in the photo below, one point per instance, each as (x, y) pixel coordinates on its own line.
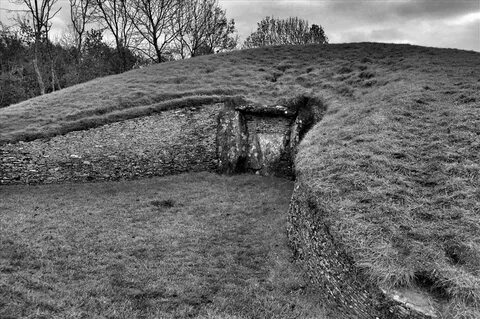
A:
(193, 245)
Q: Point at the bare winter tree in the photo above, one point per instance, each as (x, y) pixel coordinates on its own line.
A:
(220, 36)
(180, 23)
(81, 13)
(114, 15)
(41, 12)
(203, 29)
(153, 20)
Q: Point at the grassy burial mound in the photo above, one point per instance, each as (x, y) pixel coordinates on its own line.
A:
(387, 190)
(264, 76)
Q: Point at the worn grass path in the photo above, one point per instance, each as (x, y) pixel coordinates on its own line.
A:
(196, 245)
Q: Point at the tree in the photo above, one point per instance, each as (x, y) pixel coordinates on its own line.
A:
(153, 19)
(97, 57)
(114, 15)
(271, 31)
(220, 36)
(317, 35)
(41, 13)
(203, 28)
(18, 78)
(13, 53)
(81, 12)
(180, 23)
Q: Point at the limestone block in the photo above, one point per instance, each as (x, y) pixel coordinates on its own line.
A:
(271, 146)
(295, 135)
(231, 141)
(255, 155)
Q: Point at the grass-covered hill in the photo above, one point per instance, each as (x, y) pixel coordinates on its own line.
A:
(395, 161)
(357, 72)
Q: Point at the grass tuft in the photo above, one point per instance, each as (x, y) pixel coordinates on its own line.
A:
(167, 203)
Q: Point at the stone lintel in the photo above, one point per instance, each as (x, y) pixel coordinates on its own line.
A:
(264, 110)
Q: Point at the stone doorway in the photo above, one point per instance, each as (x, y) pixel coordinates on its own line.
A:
(262, 139)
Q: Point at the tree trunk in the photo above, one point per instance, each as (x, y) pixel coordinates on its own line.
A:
(158, 52)
(122, 57)
(53, 76)
(41, 84)
(58, 82)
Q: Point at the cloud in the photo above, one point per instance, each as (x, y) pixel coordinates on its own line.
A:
(441, 23)
(389, 10)
(387, 35)
(424, 22)
(469, 18)
(444, 33)
(436, 9)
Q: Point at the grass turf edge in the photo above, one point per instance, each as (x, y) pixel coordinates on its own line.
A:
(352, 193)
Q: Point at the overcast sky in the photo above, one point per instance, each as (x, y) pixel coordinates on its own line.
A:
(438, 23)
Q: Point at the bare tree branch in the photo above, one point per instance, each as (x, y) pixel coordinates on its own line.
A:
(114, 15)
(81, 13)
(41, 13)
(203, 29)
(153, 20)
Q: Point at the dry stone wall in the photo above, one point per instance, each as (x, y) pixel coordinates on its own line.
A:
(339, 281)
(166, 143)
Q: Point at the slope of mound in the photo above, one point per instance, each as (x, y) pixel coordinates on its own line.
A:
(261, 75)
(398, 181)
(394, 165)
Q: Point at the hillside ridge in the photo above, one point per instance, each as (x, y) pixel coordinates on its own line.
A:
(264, 76)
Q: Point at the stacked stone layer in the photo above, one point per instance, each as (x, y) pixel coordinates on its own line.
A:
(171, 142)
